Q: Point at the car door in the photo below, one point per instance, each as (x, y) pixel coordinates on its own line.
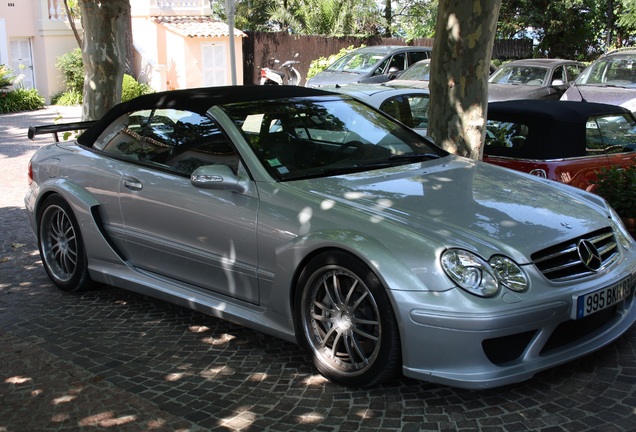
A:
(203, 238)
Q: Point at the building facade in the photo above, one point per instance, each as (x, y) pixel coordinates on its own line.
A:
(177, 44)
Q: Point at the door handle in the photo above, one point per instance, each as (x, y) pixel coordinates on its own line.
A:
(133, 184)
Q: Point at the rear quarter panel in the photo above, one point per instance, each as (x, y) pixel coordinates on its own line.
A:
(577, 172)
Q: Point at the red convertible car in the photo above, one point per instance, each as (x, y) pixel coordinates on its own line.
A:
(564, 141)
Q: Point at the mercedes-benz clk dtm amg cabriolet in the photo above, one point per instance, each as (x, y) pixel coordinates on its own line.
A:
(311, 216)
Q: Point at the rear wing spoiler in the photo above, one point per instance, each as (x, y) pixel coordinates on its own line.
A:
(56, 128)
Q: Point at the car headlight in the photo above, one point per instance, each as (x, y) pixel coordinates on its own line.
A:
(626, 237)
(509, 273)
(481, 278)
(470, 272)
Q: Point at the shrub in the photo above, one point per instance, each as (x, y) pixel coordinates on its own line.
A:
(322, 63)
(67, 98)
(131, 88)
(72, 68)
(6, 76)
(20, 99)
(618, 186)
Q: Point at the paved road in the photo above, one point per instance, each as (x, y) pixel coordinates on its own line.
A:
(112, 360)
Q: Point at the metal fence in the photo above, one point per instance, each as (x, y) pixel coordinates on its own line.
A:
(260, 49)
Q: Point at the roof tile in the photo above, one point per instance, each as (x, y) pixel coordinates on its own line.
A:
(196, 26)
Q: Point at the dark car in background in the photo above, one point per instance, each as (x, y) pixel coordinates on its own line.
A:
(372, 64)
(610, 79)
(564, 141)
(533, 79)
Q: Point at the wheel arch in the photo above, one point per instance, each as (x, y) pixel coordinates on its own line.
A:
(80, 200)
(293, 258)
(85, 209)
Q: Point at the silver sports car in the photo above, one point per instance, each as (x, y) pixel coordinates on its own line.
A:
(316, 218)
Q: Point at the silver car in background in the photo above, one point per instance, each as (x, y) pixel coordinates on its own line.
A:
(312, 216)
(610, 79)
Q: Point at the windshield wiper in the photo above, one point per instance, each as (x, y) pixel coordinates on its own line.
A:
(358, 167)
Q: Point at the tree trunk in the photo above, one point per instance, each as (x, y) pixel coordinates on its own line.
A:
(388, 18)
(105, 25)
(462, 52)
(71, 21)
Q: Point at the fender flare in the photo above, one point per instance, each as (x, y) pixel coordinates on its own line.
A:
(294, 256)
(85, 209)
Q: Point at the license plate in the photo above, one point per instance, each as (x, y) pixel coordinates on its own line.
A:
(601, 299)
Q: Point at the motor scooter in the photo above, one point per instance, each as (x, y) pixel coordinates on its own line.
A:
(286, 74)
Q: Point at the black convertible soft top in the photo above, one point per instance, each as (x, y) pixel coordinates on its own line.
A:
(198, 100)
(556, 128)
(562, 111)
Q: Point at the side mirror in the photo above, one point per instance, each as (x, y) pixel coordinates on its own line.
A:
(557, 82)
(218, 177)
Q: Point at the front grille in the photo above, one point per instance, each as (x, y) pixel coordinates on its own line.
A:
(562, 262)
(573, 330)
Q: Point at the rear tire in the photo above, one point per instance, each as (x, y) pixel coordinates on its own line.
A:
(61, 246)
(345, 320)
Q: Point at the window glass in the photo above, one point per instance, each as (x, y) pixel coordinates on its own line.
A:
(610, 134)
(573, 71)
(617, 70)
(415, 56)
(321, 137)
(527, 75)
(382, 67)
(418, 71)
(412, 110)
(175, 140)
(356, 62)
(559, 74)
(507, 135)
(398, 61)
(419, 110)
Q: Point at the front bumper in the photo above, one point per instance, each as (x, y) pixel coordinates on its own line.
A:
(490, 349)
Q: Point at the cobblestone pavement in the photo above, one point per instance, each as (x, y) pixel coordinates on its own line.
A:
(113, 360)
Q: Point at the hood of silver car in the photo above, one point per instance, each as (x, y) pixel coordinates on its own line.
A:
(328, 78)
(463, 203)
(621, 96)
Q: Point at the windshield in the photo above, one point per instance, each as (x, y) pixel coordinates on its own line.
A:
(616, 70)
(356, 62)
(419, 71)
(520, 75)
(323, 136)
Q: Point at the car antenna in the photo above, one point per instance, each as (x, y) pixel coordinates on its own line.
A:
(578, 90)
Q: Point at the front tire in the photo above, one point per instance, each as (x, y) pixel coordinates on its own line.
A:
(61, 246)
(346, 321)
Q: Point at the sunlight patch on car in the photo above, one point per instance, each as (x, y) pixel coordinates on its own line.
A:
(327, 204)
(305, 215)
